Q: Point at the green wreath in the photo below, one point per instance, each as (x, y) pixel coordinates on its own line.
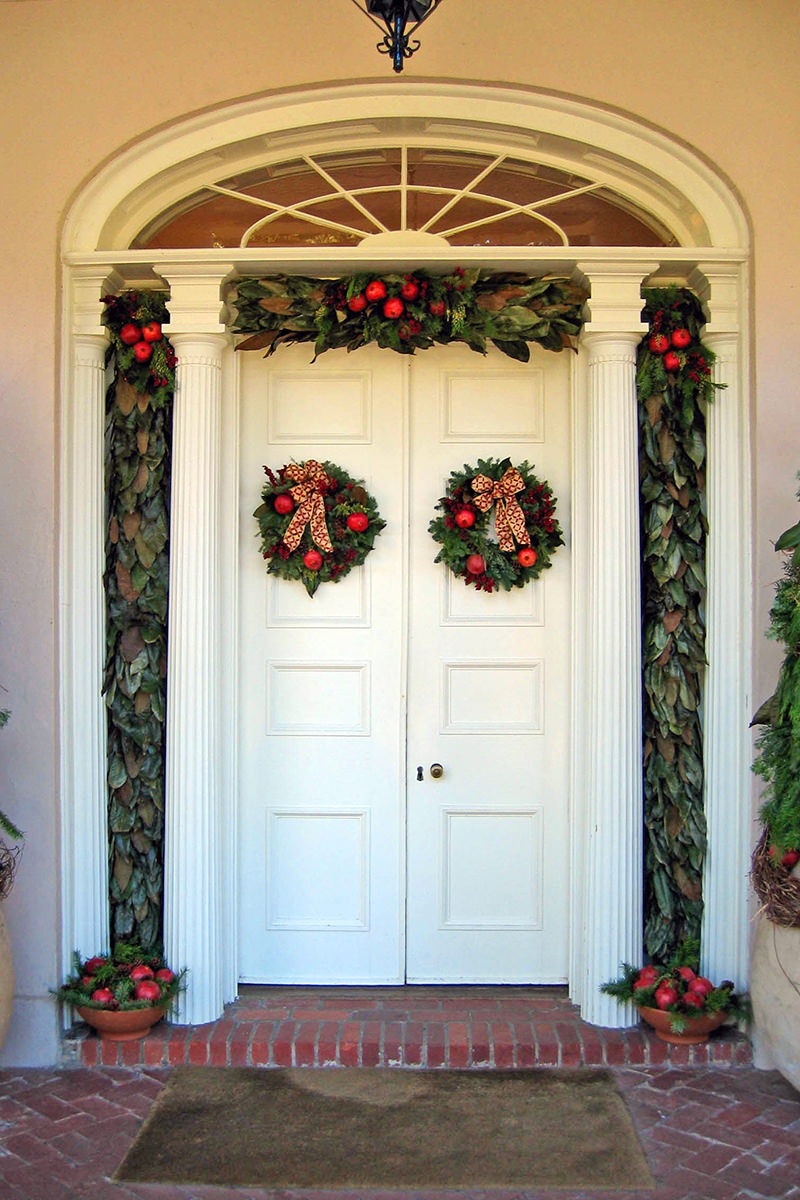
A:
(316, 522)
(498, 526)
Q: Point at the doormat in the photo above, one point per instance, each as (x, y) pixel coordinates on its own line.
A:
(382, 1128)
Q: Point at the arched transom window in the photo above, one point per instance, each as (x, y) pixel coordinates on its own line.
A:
(460, 197)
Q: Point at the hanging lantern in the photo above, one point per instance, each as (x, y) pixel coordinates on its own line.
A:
(401, 18)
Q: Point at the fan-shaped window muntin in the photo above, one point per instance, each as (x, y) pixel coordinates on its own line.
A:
(465, 198)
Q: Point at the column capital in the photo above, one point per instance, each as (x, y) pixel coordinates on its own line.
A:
(195, 303)
(615, 302)
(89, 285)
(718, 286)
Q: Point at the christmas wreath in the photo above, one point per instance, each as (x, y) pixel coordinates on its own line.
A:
(316, 522)
(498, 526)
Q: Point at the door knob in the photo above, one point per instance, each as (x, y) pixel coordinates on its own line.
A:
(437, 770)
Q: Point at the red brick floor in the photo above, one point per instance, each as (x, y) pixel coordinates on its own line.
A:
(406, 1027)
(711, 1126)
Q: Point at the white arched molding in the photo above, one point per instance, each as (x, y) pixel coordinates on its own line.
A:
(611, 885)
(727, 701)
(195, 867)
(84, 819)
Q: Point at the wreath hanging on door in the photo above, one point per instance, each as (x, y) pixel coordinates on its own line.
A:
(315, 522)
(498, 525)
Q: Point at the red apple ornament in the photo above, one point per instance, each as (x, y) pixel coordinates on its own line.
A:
(151, 332)
(437, 308)
(475, 564)
(357, 303)
(312, 559)
(103, 996)
(148, 989)
(681, 338)
(130, 334)
(142, 352)
(659, 343)
(393, 308)
(464, 518)
(671, 361)
(375, 290)
(358, 522)
(283, 503)
(410, 289)
(140, 972)
(526, 556)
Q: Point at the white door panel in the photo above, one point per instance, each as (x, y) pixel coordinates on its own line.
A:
(323, 879)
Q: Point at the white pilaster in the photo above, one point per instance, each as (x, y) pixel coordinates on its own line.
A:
(612, 884)
(193, 924)
(727, 705)
(84, 821)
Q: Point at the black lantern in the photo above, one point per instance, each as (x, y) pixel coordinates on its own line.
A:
(402, 18)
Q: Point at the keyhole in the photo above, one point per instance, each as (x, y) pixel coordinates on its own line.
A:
(419, 774)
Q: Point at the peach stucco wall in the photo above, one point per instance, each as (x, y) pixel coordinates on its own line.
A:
(80, 79)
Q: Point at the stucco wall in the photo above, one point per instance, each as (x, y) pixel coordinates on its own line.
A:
(83, 78)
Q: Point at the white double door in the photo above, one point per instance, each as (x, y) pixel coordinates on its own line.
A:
(357, 864)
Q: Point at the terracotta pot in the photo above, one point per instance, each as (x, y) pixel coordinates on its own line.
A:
(697, 1028)
(6, 978)
(121, 1026)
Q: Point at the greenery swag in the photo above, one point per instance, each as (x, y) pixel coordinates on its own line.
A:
(316, 523)
(510, 311)
(410, 312)
(674, 385)
(519, 506)
(138, 439)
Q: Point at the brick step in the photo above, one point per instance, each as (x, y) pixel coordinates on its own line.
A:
(432, 1027)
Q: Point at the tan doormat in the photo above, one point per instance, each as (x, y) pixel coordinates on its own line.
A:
(383, 1128)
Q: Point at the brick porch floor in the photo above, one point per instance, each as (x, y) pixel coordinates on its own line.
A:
(712, 1127)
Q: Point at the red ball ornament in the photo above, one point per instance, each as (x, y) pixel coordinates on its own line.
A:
(671, 361)
(464, 518)
(375, 290)
(312, 559)
(148, 989)
(437, 308)
(130, 334)
(151, 332)
(142, 352)
(410, 289)
(103, 996)
(165, 975)
(659, 343)
(681, 338)
(140, 972)
(357, 303)
(393, 308)
(283, 503)
(526, 556)
(475, 564)
(358, 522)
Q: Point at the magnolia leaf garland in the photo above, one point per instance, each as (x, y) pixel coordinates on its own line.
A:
(137, 455)
(498, 526)
(315, 523)
(674, 386)
(410, 312)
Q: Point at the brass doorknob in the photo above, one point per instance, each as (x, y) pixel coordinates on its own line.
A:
(437, 770)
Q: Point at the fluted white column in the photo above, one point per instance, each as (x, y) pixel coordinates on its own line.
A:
(612, 915)
(727, 706)
(84, 822)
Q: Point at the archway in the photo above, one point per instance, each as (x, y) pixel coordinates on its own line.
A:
(655, 176)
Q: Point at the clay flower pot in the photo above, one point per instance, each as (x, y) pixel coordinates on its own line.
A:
(697, 1028)
(126, 1025)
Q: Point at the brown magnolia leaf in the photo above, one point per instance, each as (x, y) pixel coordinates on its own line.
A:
(665, 655)
(654, 405)
(141, 841)
(701, 480)
(666, 748)
(142, 440)
(125, 793)
(358, 495)
(683, 567)
(673, 491)
(495, 301)
(127, 590)
(141, 703)
(131, 643)
(123, 869)
(690, 888)
(113, 531)
(666, 530)
(687, 735)
(316, 295)
(666, 445)
(142, 477)
(133, 762)
(143, 403)
(147, 556)
(126, 397)
(674, 822)
(147, 812)
(276, 304)
(648, 749)
(130, 524)
(672, 619)
(259, 340)
(683, 497)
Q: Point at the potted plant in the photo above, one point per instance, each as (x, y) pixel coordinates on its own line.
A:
(682, 1006)
(9, 858)
(775, 967)
(121, 994)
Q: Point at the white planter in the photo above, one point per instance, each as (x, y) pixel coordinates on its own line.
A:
(6, 978)
(775, 993)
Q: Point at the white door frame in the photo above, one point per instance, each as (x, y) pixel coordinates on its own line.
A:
(606, 755)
